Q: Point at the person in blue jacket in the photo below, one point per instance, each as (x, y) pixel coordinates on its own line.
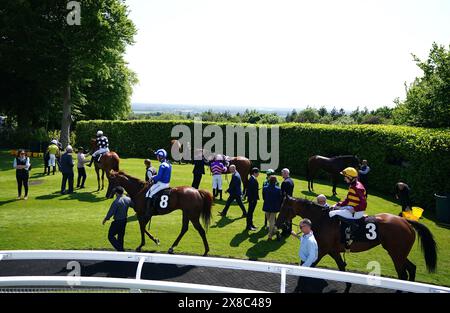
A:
(161, 180)
(272, 197)
(235, 192)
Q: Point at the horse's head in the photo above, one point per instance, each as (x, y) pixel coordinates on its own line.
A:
(114, 181)
(93, 142)
(355, 162)
(287, 212)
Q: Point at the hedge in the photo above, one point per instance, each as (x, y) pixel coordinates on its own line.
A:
(420, 157)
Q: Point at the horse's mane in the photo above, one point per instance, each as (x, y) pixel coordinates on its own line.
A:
(135, 179)
(310, 203)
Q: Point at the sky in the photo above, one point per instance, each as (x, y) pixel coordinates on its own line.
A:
(281, 53)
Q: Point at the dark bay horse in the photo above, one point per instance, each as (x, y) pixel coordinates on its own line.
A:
(109, 161)
(332, 165)
(195, 204)
(395, 234)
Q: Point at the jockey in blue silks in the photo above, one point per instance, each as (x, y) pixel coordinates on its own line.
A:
(162, 179)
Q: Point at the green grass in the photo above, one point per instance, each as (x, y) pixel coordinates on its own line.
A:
(48, 220)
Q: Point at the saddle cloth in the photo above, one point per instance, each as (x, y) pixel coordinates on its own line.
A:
(365, 229)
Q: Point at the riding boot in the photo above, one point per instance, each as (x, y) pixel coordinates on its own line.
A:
(54, 169)
(90, 163)
(220, 192)
(214, 193)
(148, 207)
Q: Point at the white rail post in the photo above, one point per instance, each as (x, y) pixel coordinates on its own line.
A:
(139, 272)
(283, 280)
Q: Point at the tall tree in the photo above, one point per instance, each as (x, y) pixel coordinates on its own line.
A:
(427, 101)
(68, 55)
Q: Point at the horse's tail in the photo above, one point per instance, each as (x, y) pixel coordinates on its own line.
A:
(428, 245)
(207, 205)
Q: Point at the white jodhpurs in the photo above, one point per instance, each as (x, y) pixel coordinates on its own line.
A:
(217, 182)
(52, 160)
(155, 188)
(346, 212)
(100, 151)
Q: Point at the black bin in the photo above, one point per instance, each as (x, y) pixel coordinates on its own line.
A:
(443, 208)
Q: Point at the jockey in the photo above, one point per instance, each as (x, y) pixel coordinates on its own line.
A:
(53, 151)
(354, 206)
(217, 169)
(102, 146)
(160, 180)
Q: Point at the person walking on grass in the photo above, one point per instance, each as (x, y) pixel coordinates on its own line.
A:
(150, 171)
(235, 192)
(67, 170)
(308, 252)
(118, 210)
(217, 169)
(81, 157)
(252, 196)
(22, 165)
(272, 197)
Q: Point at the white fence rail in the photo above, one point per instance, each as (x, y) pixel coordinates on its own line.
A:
(225, 263)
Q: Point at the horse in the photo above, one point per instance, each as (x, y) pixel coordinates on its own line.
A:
(177, 147)
(332, 165)
(195, 204)
(109, 161)
(395, 234)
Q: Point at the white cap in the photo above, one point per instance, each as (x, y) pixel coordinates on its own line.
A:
(54, 142)
(69, 148)
(99, 133)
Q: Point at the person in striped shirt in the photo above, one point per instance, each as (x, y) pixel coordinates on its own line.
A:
(354, 205)
(217, 168)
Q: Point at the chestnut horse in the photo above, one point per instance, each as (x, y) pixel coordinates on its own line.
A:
(109, 161)
(195, 204)
(332, 165)
(395, 234)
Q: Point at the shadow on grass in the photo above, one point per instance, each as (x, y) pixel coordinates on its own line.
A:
(8, 201)
(224, 221)
(247, 234)
(132, 218)
(263, 247)
(80, 196)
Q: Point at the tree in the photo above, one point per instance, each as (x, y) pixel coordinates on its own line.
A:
(308, 115)
(73, 70)
(322, 111)
(427, 101)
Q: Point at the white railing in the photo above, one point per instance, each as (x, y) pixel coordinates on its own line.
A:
(282, 269)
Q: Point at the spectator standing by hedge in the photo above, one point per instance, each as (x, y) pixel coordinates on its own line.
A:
(363, 175)
(22, 165)
(402, 192)
(272, 197)
(67, 170)
(81, 157)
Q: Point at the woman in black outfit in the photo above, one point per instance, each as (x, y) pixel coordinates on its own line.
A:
(22, 166)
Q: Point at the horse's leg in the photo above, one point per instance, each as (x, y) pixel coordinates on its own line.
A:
(411, 269)
(202, 233)
(103, 179)
(98, 177)
(184, 229)
(341, 265)
(334, 181)
(142, 223)
(154, 239)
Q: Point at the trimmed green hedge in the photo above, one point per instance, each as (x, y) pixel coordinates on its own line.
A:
(421, 157)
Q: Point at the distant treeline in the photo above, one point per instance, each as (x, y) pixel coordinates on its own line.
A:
(383, 115)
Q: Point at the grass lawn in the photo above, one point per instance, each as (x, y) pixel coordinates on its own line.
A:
(48, 220)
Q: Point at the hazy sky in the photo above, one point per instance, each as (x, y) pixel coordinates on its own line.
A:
(280, 53)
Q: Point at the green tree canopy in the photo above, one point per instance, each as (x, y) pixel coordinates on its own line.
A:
(427, 101)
